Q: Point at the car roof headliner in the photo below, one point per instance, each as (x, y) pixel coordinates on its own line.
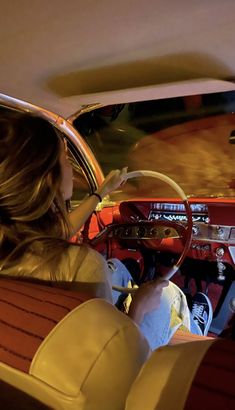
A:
(60, 54)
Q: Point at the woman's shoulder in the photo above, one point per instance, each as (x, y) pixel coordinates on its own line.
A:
(87, 269)
(76, 254)
(81, 260)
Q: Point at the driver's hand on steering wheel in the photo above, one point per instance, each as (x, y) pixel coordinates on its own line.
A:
(113, 180)
(146, 299)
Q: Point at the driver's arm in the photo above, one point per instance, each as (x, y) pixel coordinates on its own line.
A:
(80, 214)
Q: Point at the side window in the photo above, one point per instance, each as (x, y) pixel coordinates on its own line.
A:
(81, 186)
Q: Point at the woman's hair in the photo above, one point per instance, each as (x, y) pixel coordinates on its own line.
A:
(33, 217)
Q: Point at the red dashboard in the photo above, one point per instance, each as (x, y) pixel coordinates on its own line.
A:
(213, 226)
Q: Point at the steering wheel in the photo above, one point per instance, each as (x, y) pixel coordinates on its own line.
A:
(186, 232)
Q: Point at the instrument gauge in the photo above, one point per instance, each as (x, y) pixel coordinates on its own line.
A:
(141, 232)
(154, 232)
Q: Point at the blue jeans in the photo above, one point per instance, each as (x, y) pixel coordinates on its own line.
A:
(157, 326)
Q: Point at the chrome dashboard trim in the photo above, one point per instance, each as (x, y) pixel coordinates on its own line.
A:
(201, 232)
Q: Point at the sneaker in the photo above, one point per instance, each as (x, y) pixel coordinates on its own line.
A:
(202, 312)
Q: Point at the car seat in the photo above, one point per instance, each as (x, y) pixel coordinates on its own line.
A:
(65, 350)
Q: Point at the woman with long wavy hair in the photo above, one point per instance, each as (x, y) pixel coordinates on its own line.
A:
(35, 178)
(35, 228)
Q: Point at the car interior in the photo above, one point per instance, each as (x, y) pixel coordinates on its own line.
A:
(128, 85)
(147, 233)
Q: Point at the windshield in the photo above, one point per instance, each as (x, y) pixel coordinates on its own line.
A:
(185, 138)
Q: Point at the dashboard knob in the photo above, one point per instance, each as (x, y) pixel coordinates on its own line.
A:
(220, 252)
(220, 231)
(195, 230)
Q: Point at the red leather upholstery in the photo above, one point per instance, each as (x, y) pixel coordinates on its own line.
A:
(214, 381)
(28, 313)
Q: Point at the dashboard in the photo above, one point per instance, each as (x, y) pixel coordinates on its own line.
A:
(210, 221)
(176, 212)
(202, 228)
(148, 221)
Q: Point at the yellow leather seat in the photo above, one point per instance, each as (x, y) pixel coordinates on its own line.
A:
(88, 361)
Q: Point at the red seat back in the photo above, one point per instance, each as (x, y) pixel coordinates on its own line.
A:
(213, 385)
(28, 313)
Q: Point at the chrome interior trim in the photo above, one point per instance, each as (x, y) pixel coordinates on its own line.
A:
(83, 110)
(93, 171)
(20, 105)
